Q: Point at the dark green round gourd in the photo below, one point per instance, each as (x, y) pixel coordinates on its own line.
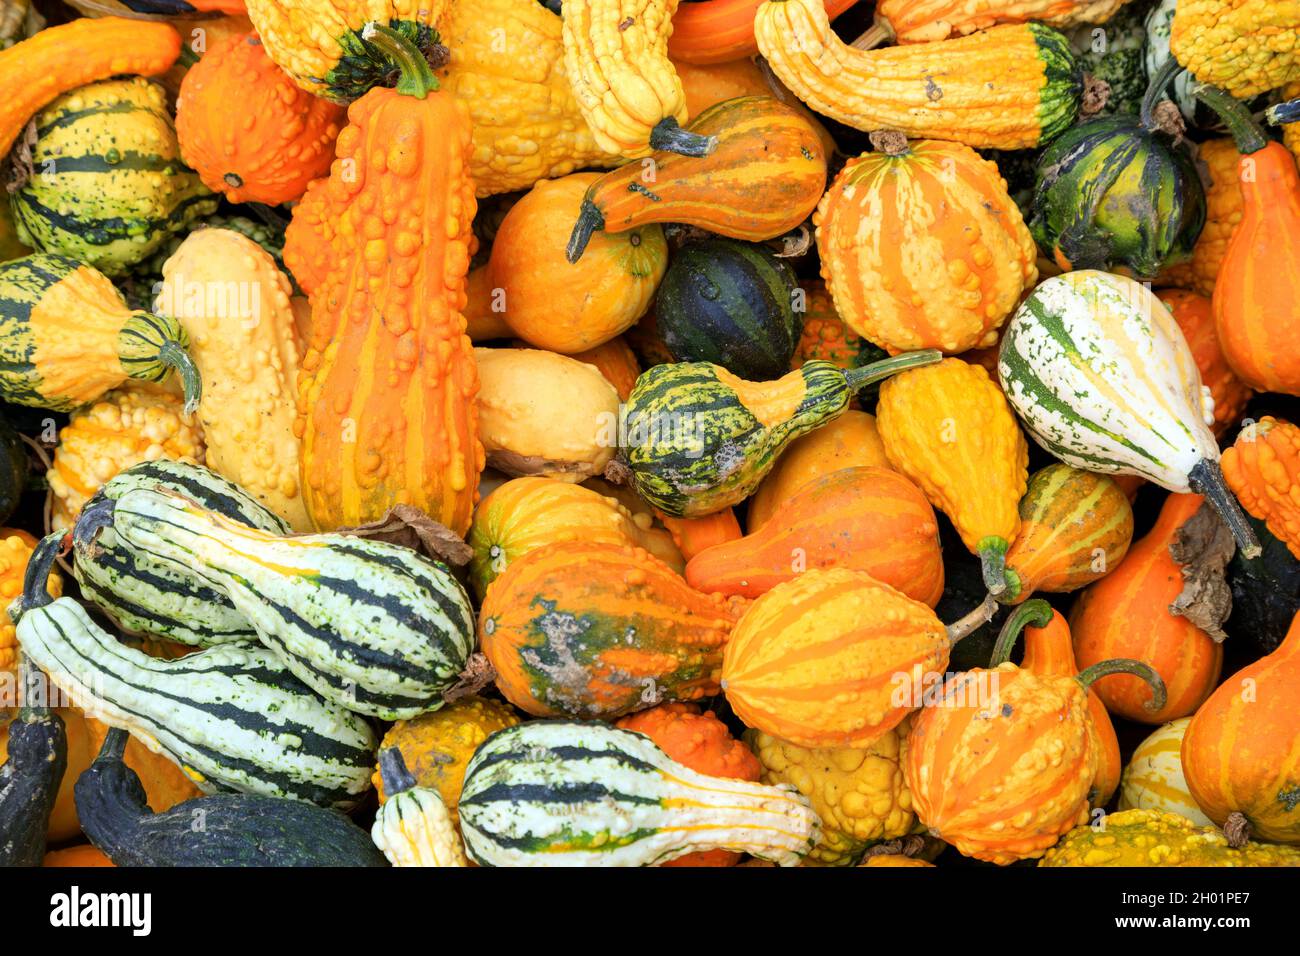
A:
(730, 303)
(1117, 193)
(224, 829)
(13, 470)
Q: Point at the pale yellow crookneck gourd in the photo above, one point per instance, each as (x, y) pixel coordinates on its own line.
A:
(412, 827)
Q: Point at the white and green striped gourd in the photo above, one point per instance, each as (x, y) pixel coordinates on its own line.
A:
(412, 827)
(558, 793)
(1098, 371)
(374, 627)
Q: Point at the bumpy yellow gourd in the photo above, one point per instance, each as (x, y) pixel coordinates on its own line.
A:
(234, 304)
(137, 423)
(507, 63)
(1247, 47)
(949, 428)
(859, 792)
(1153, 838)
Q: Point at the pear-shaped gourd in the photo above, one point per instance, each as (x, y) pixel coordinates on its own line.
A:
(413, 826)
(1099, 372)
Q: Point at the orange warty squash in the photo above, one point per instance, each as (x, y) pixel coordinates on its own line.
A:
(1049, 652)
(1075, 526)
(484, 310)
(949, 428)
(1223, 206)
(1241, 752)
(1259, 280)
(592, 630)
(563, 307)
(701, 742)
(818, 660)
(825, 336)
(61, 58)
(922, 247)
(386, 407)
(1195, 316)
(1126, 614)
(864, 519)
(850, 441)
(695, 535)
(267, 150)
(616, 361)
(16, 548)
(84, 855)
(719, 31)
(1263, 470)
(924, 21)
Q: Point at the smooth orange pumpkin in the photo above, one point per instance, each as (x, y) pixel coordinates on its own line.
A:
(701, 742)
(1126, 615)
(1195, 316)
(696, 535)
(272, 145)
(1241, 752)
(864, 519)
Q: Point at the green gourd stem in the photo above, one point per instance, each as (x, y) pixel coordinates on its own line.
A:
(973, 620)
(669, 136)
(1126, 665)
(416, 76)
(590, 220)
(1283, 113)
(1155, 89)
(93, 519)
(1245, 132)
(857, 378)
(1207, 479)
(174, 356)
(392, 770)
(1036, 612)
(36, 580)
(992, 552)
(1014, 586)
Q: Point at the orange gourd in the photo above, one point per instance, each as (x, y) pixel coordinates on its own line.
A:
(825, 336)
(719, 31)
(1126, 614)
(1258, 284)
(865, 519)
(1220, 159)
(386, 407)
(1241, 752)
(1263, 470)
(1195, 316)
(600, 630)
(922, 247)
(893, 859)
(219, 6)
(695, 535)
(923, 21)
(700, 742)
(62, 58)
(84, 855)
(269, 149)
(831, 659)
(617, 362)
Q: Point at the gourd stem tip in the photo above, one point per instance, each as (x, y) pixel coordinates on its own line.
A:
(174, 356)
(1283, 113)
(1245, 132)
(36, 580)
(858, 378)
(1207, 479)
(1125, 665)
(875, 35)
(93, 519)
(1036, 612)
(992, 553)
(590, 220)
(114, 748)
(392, 770)
(973, 620)
(415, 76)
(668, 135)
(1155, 89)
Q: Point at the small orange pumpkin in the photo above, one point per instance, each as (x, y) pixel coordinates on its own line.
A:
(695, 535)
(248, 130)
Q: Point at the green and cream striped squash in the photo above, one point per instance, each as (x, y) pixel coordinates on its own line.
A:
(107, 184)
(1153, 779)
(1100, 374)
(413, 827)
(374, 627)
(147, 596)
(232, 717)
(698, 439)
(552, 793)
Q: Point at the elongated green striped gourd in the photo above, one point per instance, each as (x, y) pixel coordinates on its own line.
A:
(145, 595)
(233, 717)
(554, 793)
(1099, 372)
(698, 439)
(372, 626)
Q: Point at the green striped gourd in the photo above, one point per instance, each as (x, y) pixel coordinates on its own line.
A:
(413, 826)
(372, 626)
(233, 717)
(1099, 372)
(698, 439)
(148, 596)
(108, 184)
(549, 793)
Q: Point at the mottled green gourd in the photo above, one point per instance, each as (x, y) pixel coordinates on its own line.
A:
(1115, 53)
(697, 439)
(107, 182)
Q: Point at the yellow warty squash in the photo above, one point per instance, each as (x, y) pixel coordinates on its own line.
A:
(859, 792)
(139, 422)
(1247, 47)
(234, 303)
(15, 549)
(1153, 838)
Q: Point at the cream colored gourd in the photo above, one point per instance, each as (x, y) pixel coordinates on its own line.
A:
(412, 827)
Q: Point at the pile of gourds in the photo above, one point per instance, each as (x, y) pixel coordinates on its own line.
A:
(467, 433)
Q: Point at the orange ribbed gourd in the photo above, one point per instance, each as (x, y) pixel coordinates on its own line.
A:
(1263, 470)
(1195, 317)
(1126, 614)
(720, 31)
(386, 408)
(865, 519)
(831, 659)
